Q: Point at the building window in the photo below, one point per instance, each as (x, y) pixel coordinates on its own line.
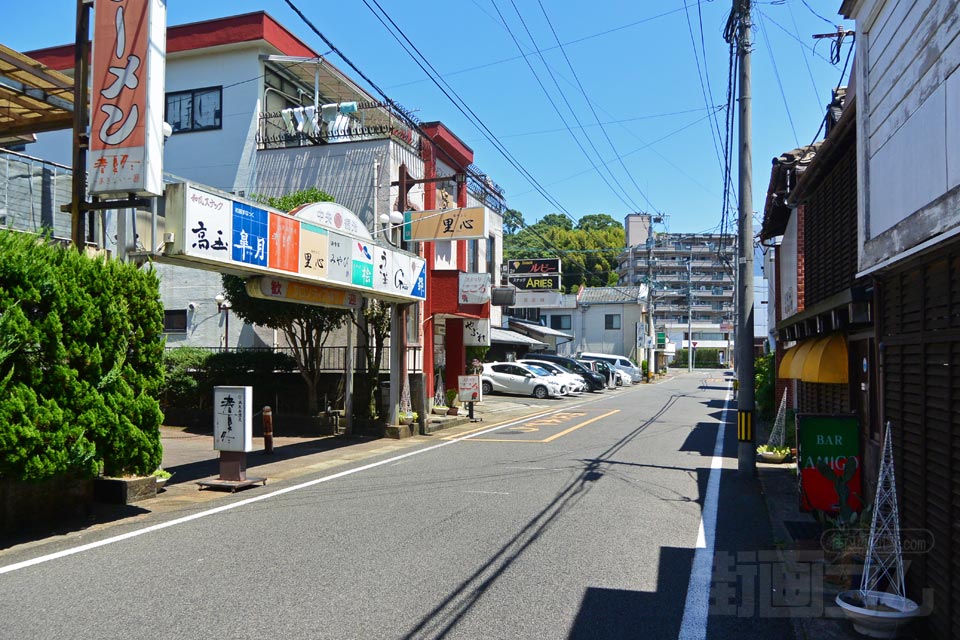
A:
(492, 259)
(194, 110)
(175, 321)
(560, 322)
(473, 257)
(611, 321)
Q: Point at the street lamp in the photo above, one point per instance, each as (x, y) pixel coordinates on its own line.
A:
(224, 305)
(391, 221)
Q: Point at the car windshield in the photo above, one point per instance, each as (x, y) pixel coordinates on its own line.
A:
(540, 371)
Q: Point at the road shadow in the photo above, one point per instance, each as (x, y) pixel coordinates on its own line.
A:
(192, 471)
(97, 513)
(701, 439)
(619, 614)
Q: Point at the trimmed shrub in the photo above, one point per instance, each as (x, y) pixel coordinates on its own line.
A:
(83, 342)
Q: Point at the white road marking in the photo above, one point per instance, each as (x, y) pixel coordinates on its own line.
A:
(491, 493)
(697, 606)
(234, 505)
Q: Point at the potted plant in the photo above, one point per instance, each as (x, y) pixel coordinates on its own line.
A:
(772, 454)
(452, 402)
(162, 476)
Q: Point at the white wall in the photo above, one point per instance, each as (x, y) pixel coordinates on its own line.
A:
(908, 112)
(222, 158)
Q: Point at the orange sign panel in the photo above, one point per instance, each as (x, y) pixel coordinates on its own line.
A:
(446, 224)
(284, 243)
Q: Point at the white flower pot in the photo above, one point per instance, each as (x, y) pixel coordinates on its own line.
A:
(884, 616)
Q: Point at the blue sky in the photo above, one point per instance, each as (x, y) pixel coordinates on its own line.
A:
(630, 66)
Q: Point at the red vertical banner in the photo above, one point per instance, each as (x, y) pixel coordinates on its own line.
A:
(127, 100)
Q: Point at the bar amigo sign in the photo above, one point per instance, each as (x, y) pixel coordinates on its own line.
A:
(322, 244)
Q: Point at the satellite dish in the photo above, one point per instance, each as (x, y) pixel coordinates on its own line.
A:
(333, 216)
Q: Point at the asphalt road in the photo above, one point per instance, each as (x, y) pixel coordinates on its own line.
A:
(579, 523)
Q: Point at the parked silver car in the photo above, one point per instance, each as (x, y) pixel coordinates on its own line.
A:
(513, 377)
(572, 381)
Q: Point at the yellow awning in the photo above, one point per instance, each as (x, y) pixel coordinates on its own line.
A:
(788, 355)
(796, 365)
(826, 362)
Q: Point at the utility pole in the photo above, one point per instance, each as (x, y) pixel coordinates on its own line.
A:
(746, 440)
(652, 340)
(690, 311)
(81, 62)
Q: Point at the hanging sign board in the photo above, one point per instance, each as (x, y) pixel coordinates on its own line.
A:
(233, 419)
(220, 232)
(541, 299)
(539, 282)
(533, 266)
(833, 441)
(474, 288)
(476, 333)
(127, 100)
(445, 224)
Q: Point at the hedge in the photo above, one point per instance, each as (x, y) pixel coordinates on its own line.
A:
(80, 363)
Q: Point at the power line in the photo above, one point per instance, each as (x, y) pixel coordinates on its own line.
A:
(776, 74)
(459, 102)
(567, 102)
(594, 111)
(827, 20)
(806, 61)
(707, 96)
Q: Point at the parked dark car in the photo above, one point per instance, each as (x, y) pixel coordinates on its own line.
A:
(595, 381)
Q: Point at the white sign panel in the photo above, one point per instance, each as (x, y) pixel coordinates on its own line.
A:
(542, 299)
(340, 258)
(233, 418)
(469, 389)
(476, 332)
(474, 288)
(788, 269)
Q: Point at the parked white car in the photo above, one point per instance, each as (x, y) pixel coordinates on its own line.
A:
(513, 377)
(620, 363)
(573, 381)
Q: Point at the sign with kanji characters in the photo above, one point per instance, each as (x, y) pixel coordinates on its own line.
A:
(284, 243)
(127, 101)
(474, 288)
(219, 232)
(250, 231)
(469, 389)
(533, 266)
(540, 299)
(476, 332)
(540, 282)
(445, 224)
(362, 263)
(302, 293)
(233, 419)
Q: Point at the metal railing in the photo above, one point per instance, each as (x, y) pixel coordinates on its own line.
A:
(332, 358)
(31, 193)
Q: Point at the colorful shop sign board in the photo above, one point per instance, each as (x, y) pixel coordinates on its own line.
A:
(834, 441)
(222, 233)
(302, 293)
(445, 224)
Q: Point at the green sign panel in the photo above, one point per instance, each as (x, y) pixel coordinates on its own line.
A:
(829, 462)
(661, 340)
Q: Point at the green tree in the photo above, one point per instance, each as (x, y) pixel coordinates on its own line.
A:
(512, 221)
(555, 220)
(80, 363)
(598, 222)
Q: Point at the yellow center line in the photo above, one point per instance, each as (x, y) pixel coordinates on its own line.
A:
(494, 425)
(551, 438)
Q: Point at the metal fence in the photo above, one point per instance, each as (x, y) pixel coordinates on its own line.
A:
(31, 193)
(334, 358)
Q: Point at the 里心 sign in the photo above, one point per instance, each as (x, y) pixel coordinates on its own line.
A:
(445, 224)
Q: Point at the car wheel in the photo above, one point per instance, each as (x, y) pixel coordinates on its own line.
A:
(619, 381)
(487, 388)
(540, 392)
(564, 391)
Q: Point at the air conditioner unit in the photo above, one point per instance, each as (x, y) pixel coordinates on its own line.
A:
(503, 296)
